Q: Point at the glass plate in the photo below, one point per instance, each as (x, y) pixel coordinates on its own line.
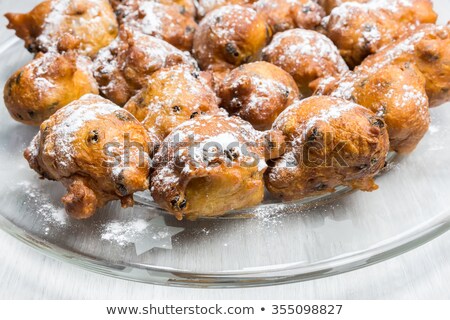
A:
(270, 244)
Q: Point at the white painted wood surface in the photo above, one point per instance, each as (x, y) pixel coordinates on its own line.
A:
(26, 274)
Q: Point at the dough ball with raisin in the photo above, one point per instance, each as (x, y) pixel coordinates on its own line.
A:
(46, 84)
(211, 165)
(230, 36)
(361, 29)
(167, 22)
(123, 68)
(329, 142)
(283, 15)
(258, 92)
(307, 55)
(173, 96)
(88, 25)
(97, 150)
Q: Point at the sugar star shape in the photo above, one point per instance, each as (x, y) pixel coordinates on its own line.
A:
(158, 235)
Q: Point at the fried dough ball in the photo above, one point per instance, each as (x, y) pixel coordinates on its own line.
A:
(230, 36)
(397, 94)
(330, 142)
(123, 68)
(173, 96)
(210, 165)
(361, 29)
(283, 15)
(166, 22)
(329, 5)
(428, 48)
(49, 82)
(395, 83)
(206, 6)
(306, 55)
(258, 92)
(57, 24)
(97, 150)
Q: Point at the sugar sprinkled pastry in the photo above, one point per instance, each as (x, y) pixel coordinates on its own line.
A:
(57, 24)
(230, 36)
(123, 68)
(211, 165)
(47, 83)
(283, 15)
(258, 92)
(97, 150)
(361, 29)
(173, 95)
(400, 82)
(330, 142)
(307, 55)
(167, 22)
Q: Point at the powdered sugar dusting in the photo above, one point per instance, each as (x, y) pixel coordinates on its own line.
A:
(52, 23)
(308, 43)
(124, 233)
(51, 213)
(73, 117)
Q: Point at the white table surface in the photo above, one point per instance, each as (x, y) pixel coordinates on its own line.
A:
(423, 273)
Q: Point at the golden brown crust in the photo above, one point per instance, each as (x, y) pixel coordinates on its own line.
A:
(55, 24)
(49, 82)
(361, 29)
(428, 47)
(397, 94)
(406, 71)
(283, 15)
(208, 166)
(330, 142)
(230, 36)
(306, 55)
(96, 149)
(173, 96)
(258, 92)
(123, 68)
(155, 18)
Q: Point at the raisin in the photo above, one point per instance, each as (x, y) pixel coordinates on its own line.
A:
(377, 122)
(183, 204)
(193, 115)
(93, 137)
(231, 49)
(189, 30)
(122, 189)
(176, 204)
(174, 201)
(314, 134)
(195, 74)
(232, 153)
(19, 76)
